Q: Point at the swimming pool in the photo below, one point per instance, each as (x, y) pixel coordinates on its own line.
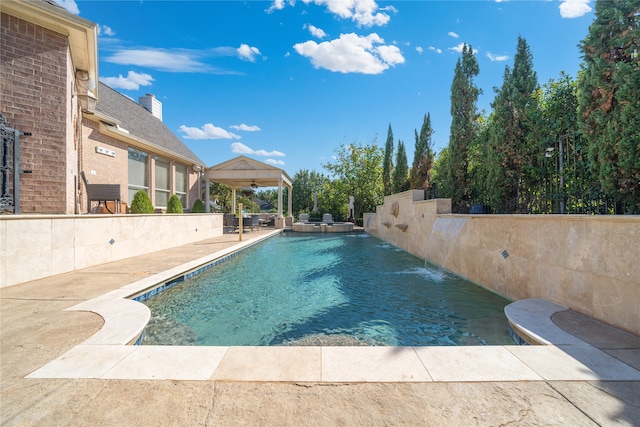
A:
(349, 289)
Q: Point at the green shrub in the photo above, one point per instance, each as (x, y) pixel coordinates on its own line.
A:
(174, 206)
(198, 206)
(141, 203)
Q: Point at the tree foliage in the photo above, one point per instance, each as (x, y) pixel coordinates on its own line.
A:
(401, 172)
(387, 165)
(464, 96)
(512, 138)
(609, 99)
(422, 156)
(222, 193)
(307, 185)
(357, 172)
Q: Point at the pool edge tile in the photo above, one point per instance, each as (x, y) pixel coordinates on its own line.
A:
(270, 364)
(84, 361)
(475, 364)
(186, 363)
(372, 364)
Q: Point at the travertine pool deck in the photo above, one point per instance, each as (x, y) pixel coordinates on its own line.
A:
(62, 364)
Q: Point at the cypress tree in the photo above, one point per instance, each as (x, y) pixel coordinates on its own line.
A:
(464, 96)
(422, 156)
(609, 99)
(513, 145)
(401, 172)
(387, 165)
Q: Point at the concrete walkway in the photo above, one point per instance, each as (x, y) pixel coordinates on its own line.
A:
(61, 366)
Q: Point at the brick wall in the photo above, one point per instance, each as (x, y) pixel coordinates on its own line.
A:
(100, 168)
(33, 98)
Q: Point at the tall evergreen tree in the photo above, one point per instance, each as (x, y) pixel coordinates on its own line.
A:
(387, 165)
(401, 172)
(464, 96)
(422, 156)
(609, 99)
(513, 135)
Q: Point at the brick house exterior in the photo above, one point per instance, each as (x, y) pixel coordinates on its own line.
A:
(48, 87)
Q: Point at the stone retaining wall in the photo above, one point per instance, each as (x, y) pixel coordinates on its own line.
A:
(37, 246)
(587, 263)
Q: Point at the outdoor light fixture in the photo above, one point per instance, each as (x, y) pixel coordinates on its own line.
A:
(505, 254)
(254, 185)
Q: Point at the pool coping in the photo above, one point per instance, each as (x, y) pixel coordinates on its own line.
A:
(109, 355)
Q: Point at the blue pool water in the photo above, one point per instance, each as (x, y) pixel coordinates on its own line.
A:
(301, 289)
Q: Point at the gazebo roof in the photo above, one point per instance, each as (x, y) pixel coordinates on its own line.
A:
(243, 171)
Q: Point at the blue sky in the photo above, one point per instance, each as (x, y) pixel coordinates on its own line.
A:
(288, 82)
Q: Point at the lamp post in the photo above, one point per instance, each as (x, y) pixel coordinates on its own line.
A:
(559, 169)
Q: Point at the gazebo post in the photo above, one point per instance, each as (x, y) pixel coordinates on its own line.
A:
(280, 197)
(207, 197)
(233, 197)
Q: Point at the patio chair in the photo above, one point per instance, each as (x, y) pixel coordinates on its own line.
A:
(303, 218)
(230, 222)
(327, 218)
(255, 221)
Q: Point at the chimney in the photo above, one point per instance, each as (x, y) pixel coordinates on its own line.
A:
(151, 103)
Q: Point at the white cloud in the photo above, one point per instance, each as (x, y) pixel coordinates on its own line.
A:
(435, 49)
(160, 59)
(105, 30)
(248, 53)
(70, 6)
(279, 5)
(240, 148)
(133, 81)
(245, 128)
(419, 49)
(207, 131)
(497, 58)
(352, 53)
(574, 8)
(459, 47)
(275, 162)
(452, 34)
(316, 32)
(362, 12)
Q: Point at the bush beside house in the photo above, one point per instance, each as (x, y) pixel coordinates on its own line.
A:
(141, 203)
(174, 206)
(198, 206)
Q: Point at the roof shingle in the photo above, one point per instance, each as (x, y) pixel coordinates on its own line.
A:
(141, 123)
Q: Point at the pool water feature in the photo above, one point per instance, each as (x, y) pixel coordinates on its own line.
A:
(338, 289)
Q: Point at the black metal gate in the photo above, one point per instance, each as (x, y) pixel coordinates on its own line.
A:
(10, 168)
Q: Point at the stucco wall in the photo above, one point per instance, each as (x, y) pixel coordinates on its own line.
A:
(37, 246)
(587, 263)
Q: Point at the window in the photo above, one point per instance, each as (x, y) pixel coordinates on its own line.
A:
(163, 190)
(182, 180)
(138, 172)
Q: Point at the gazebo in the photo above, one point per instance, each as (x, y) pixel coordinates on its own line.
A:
(243, 171)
